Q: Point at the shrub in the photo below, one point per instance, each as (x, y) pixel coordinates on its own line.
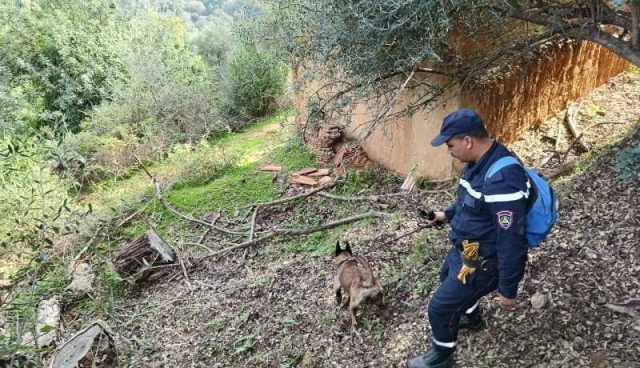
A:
(33, 201)
(59, 54)
(213, 40)
(253, 81)
(167, 97)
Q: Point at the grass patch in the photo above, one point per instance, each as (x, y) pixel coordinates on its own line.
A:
(237, 187)
(318, 244)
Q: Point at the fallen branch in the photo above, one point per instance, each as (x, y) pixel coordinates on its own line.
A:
(190, 218)
(291, 232)
(206, 233)
(184, 272)
(403, 235)
(132, 216)
(372, 198)
(288, 199)
(569, 121)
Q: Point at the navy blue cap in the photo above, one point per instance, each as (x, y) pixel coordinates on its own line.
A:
(458, 122)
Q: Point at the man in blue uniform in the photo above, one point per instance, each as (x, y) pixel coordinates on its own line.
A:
(488, 221)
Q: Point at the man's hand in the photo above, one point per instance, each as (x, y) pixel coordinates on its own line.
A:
(507, 303)
(440, 218)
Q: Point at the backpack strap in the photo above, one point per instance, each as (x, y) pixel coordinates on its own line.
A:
(499, 165)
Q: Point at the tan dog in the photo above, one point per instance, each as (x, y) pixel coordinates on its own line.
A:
(355, 277)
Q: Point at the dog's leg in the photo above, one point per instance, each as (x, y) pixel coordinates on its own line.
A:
(381, 298)
(356, 299)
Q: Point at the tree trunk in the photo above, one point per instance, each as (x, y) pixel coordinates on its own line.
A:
(136, 260)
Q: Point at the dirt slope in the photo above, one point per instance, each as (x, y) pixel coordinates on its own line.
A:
(275, 308)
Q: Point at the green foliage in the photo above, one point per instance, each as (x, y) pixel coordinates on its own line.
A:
(628, 162)
(253, 81)
(59, 54)
(368, 39)
(375, 328)
(167, 97)
(213, 41)
(34, 202)
(358, 180)
(294, 154)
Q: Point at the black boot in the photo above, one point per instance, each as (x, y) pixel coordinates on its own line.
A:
(471, 322)
(433, 359)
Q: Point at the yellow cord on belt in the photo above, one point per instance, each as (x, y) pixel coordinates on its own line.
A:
(469, 253)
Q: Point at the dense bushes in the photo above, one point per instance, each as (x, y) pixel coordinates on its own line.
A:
(253, 81)
(112, 86)
(59, 54)
(32, 198)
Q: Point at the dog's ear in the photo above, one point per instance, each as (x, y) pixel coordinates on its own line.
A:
(337, 247)
(348, 249)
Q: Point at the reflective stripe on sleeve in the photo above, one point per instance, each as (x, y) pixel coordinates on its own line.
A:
(494, 198)
(475, 194)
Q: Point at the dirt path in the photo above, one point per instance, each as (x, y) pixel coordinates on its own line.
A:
(275, 308)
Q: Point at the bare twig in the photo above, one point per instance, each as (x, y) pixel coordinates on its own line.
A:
(132, 216)
(253, 223)
(288, 199)
(297, 232)
(206, 233)
(199, 245)
(569, 121)
(371, 126)
(403, 235)
(372, 198)
(184, 271)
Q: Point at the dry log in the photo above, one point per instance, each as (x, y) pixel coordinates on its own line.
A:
(137, 259)
(569, 122)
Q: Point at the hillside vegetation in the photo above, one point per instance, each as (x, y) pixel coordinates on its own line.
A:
(123, 122)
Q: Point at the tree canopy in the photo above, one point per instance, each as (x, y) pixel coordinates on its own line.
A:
(376, 46)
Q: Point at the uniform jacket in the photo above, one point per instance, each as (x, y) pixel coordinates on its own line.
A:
(493, 212)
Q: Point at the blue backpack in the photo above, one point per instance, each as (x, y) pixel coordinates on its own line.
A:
(543, 212)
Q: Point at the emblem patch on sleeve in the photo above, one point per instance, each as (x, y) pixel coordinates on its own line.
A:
(505, 219)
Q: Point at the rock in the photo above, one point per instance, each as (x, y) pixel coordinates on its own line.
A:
(83, 277)
(47, 323)
(91, 347)
(538, 300)
(308, 361)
